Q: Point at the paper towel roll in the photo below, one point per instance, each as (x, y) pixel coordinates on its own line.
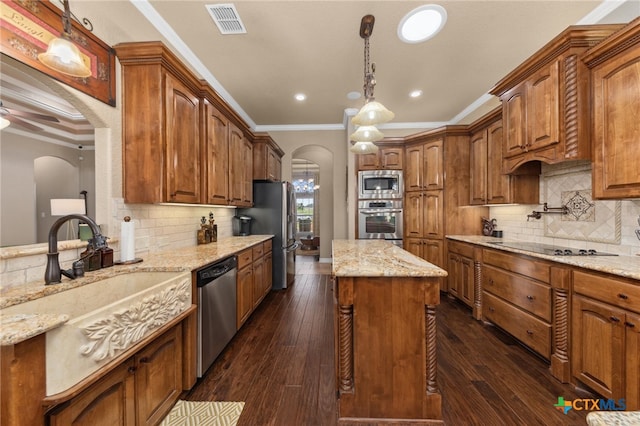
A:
(127, 241)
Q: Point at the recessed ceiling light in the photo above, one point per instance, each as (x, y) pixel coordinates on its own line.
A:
(422, 23)
(300, 97)
(415, 93)
(354, 95)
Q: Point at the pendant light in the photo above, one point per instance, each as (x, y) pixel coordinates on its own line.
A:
(372, 112)
(62, 55)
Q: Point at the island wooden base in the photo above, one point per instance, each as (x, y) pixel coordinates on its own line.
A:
(386, 350)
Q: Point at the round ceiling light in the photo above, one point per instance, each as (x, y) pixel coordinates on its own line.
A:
(422, 23)
(300, 97)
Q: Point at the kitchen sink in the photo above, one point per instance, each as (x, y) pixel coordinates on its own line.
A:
(106, 318)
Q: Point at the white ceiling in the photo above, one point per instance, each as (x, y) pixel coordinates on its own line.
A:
(314, 47)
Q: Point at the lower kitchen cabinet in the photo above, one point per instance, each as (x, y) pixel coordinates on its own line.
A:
(461, 276)
(140, 391)
(254, 279)
(606, 336)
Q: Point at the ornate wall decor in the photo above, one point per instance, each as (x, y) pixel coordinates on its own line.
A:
(597, 221)
(122, 329)
(26, 27)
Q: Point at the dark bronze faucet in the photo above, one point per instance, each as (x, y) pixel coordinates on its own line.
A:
(53, 274)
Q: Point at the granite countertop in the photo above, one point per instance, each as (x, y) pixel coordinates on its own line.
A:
(16, 328)
(378, 258)
(624, 266)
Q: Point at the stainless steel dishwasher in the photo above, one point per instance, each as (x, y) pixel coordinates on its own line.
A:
(216, 310)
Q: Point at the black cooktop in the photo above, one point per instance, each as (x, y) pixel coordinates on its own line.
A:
(551, 250)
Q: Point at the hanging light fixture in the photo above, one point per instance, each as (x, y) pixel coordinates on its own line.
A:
(62, 55)
(372, 112)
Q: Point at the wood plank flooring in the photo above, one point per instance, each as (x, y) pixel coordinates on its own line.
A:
(281, 364)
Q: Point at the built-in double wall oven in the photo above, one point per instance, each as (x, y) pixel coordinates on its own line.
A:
(380, 219)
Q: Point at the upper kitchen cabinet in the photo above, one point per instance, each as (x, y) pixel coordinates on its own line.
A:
(388, 157)
(267, 159)
(615, 78)
(488, 185)
(425, 165)
(216, 136)
(161, 126)
(545, 101)
(240, 168)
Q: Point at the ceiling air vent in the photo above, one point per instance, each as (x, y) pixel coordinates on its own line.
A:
(226, 18)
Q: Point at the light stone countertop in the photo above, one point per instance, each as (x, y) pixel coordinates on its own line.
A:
(17, 328)
(624, 266)
(378, 258)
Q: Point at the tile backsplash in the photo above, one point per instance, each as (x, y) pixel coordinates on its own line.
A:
(605, 225)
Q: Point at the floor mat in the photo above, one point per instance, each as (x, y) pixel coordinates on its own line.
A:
(217, 413)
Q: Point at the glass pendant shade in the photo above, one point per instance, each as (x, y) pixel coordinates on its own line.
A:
(372, 113)
(364, 148)
(4, 123)
(367, 134)
(63, 56)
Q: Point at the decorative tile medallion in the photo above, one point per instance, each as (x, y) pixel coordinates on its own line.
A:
(579, 205)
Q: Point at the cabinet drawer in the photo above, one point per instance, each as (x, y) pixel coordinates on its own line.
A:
(461, 249)
(531, 331)
(245, 258)
(519, 264)
(617, 292)
(527, 294)
(268, 246)
(258, 251)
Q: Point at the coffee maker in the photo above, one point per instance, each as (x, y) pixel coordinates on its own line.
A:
(242, 225)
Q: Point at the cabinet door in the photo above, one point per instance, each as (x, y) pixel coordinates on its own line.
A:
(109, 402)
(478, 167)
(183, 159)
(244, 292)
(598, 346)
(268, 272)
(413, 246)
(433, 252)
(466, 287)
(514, 116)
(453, 279)
(159, 377)
(368, 161)
(258, 282)
(433, 165)
(247, 173)
(236, 165)
(217, 149)
(632, 344)
(498, 184)
(433, 214)
(413, 213)
(273, 165)
(543, 108)
(616, 107)
(413, 172)
(391, 158)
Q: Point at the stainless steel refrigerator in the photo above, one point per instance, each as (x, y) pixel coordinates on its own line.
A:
(272, 213)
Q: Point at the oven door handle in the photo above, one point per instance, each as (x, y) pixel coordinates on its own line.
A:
(380, 211)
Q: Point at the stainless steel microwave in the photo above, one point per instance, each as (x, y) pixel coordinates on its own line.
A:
(380, 184)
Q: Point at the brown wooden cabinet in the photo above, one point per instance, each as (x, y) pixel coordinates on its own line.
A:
(140, 391)
(425, 166)
(254, 279)
(516, 296)
(216, 134)
(267, 159)
(605, 335)
(387, 158)
(488, 185)
(615, 79)
(460, 281)
(240, 168)
(161, 130)
(546, 101)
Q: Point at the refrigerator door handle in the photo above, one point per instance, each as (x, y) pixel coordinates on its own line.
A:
(291, 247)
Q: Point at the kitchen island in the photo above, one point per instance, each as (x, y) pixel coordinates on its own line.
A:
(385, 334)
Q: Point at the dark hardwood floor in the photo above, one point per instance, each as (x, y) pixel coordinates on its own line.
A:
(281, 364)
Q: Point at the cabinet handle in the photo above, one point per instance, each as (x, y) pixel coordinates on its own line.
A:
(629, 324)
(491, 309)
(623, 296)
(530, 333)
(131, 369)
(529, 297)
(614, 319)
(144, 360)
(490, 281)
